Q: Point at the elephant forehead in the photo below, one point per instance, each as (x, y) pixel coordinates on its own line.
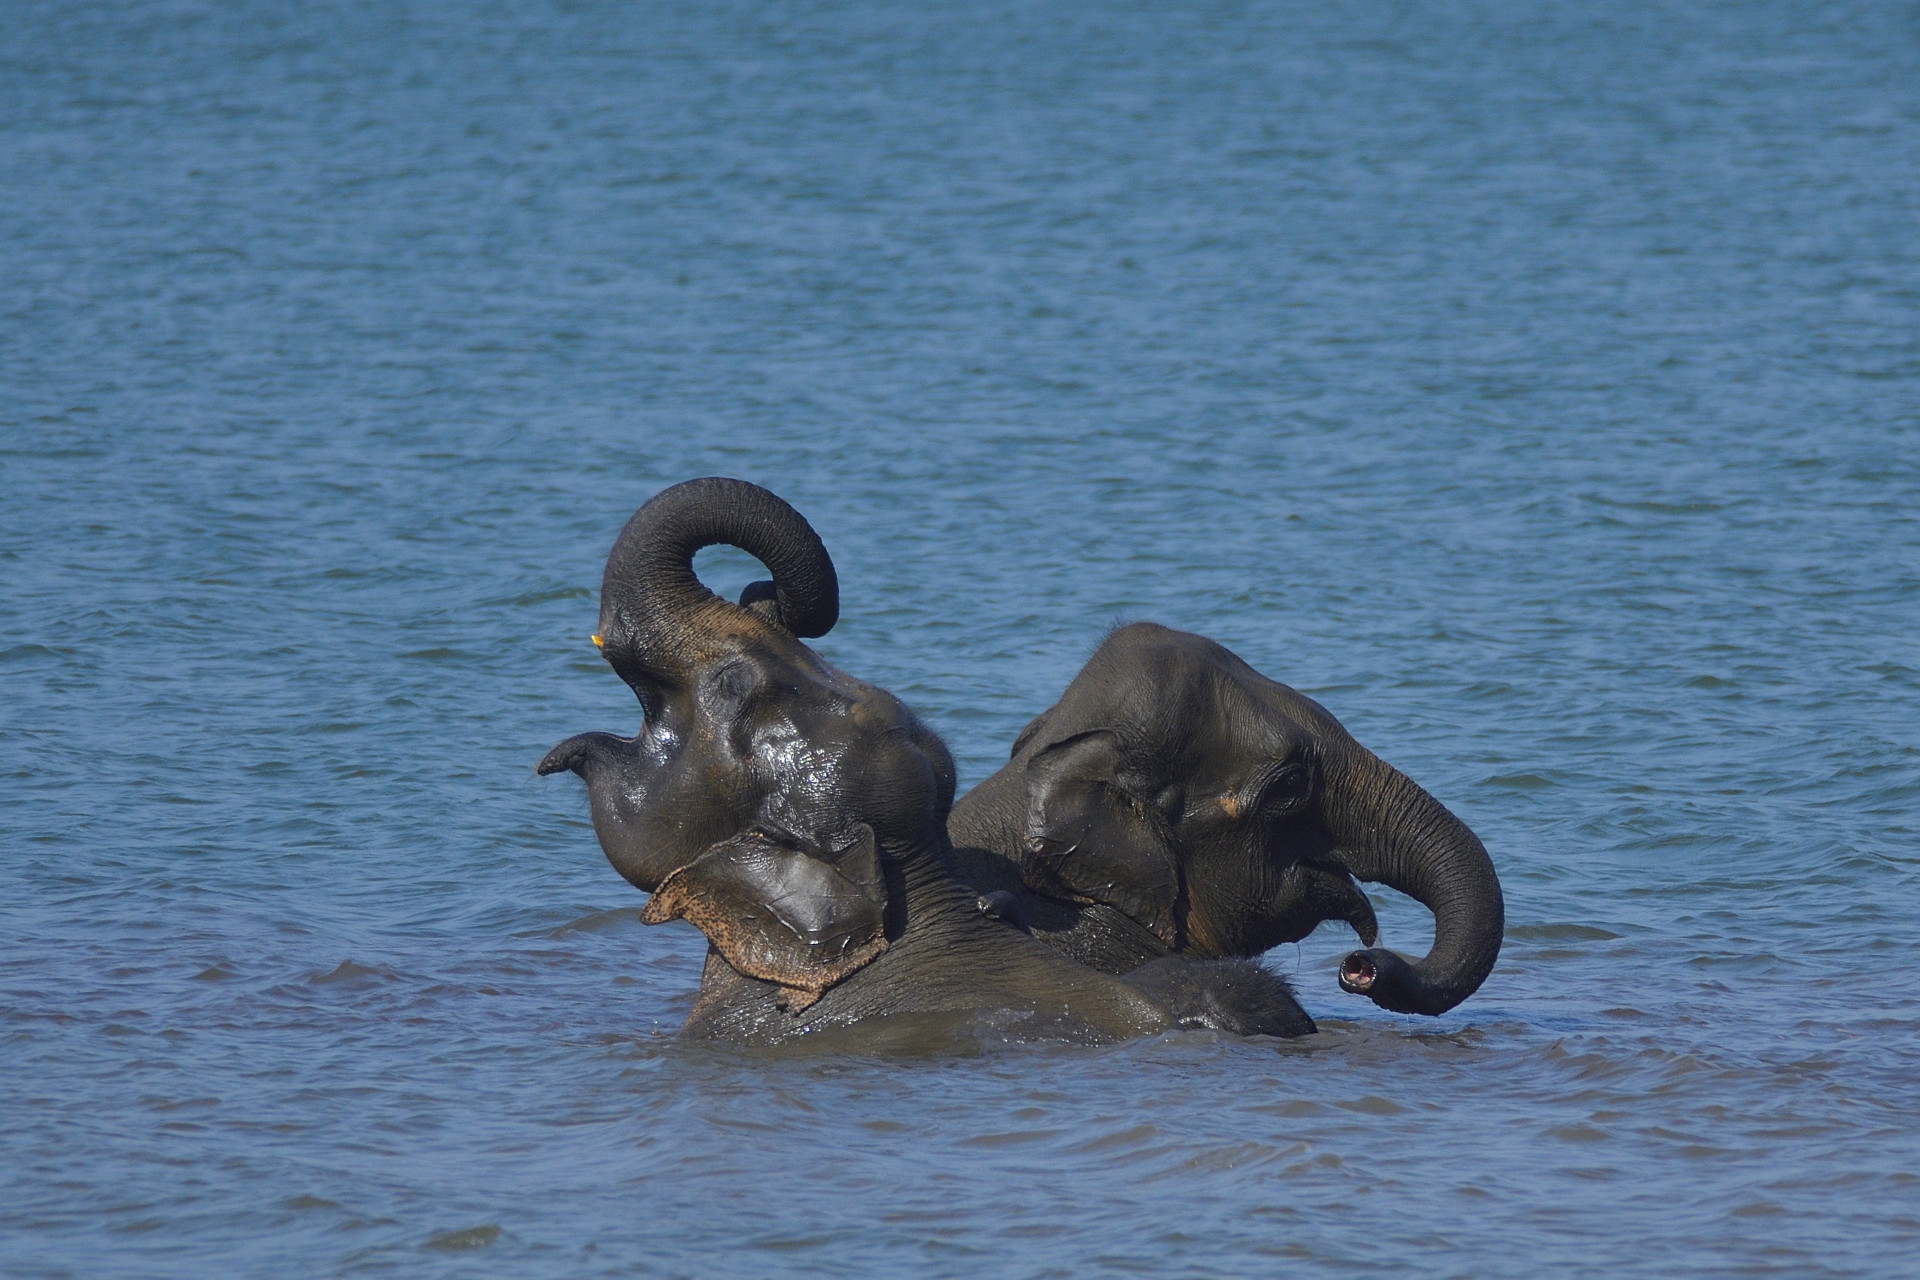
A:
(1266, 723)
(1222, 745)
(1251, 719)
(1158, 675)
(1183, 714)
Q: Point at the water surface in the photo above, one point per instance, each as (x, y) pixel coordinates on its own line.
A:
(1533, 385)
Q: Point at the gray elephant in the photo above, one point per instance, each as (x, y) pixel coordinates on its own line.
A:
(1176, 801)
(797, 815)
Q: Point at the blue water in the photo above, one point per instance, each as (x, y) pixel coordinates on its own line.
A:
(1536, 385)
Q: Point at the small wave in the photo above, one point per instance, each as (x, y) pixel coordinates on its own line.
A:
(27, 653)
(592, 922)
(465, 1238)
(347, 971)
(1559, 933)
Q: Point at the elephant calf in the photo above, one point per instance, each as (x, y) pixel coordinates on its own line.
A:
(1176, 801)
(797, 816)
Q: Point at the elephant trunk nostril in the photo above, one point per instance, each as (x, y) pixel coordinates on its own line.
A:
(1357, 973)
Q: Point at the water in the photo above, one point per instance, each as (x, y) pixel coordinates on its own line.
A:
(1535, 385)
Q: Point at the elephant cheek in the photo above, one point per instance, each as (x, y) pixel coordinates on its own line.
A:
(630, 848)
(1092, 858)
(1203, 939)
(1216, 914)
(645, 835)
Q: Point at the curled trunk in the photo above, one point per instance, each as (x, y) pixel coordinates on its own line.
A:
(657, 621)
(1393, 833)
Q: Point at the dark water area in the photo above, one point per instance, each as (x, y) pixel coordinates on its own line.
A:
(1534, 385)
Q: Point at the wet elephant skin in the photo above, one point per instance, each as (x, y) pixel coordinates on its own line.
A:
(797, 815)
(1177, 802)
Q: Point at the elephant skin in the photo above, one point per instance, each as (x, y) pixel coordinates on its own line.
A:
(1177, 802)
(797, 815)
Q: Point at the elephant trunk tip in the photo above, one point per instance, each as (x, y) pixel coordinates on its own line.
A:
(558, 760)
(1390, 982)
(1358, 973)
(575, 754)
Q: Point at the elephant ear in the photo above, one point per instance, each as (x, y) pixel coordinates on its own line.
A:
(1028, 734)
(1090, 837)
(781, 913)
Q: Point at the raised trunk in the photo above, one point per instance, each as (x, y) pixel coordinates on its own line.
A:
(1393, 833)
(658, 622)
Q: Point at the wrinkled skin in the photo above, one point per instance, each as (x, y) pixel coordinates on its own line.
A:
(796, 815)
(1177, 802)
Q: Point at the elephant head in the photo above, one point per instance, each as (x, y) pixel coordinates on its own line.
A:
(767, 797)
(1224, 813)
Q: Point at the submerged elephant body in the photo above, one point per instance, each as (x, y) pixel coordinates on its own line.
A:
(1177, 802)
(797, 815)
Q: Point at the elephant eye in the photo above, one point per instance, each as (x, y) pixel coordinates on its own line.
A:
(1285, 790)
(735, 682)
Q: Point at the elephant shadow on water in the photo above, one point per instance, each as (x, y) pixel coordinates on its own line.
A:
(800, 819)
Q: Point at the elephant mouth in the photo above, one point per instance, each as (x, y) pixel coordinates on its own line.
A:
(1358, 973)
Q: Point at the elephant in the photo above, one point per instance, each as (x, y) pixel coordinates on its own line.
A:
(797, 815)
(1177, 802)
